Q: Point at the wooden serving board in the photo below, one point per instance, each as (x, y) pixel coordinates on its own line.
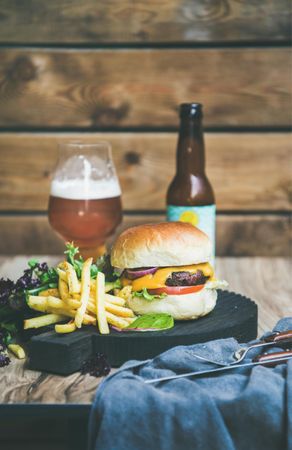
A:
(234, 316)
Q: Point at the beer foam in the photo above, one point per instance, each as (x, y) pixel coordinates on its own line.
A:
(79, 189)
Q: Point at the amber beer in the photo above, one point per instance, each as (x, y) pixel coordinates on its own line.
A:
(86, 216)
(190, 196)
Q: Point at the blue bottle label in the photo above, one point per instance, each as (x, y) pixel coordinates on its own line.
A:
(203, 217)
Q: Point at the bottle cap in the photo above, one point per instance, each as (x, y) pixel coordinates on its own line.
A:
(191, 110)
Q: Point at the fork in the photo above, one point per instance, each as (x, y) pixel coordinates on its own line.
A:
(239, 355)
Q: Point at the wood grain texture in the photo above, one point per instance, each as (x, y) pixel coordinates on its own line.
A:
(249, 171)
(135, 88)
(125, 21)
(271, 293)
(242, 235)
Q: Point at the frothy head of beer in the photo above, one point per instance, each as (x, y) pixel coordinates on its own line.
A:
(83, 178)
(79, 189)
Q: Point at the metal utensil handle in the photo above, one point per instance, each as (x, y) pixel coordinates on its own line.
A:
(273, 358)
(279, 336)
(212, 371)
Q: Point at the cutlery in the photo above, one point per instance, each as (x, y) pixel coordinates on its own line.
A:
(239, 355)
(267, 359)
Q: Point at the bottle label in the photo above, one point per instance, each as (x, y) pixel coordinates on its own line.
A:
(203, 217)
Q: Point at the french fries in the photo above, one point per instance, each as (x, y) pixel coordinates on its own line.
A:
(17, 350)
(85, 291)
(38, 303)
(73, 282)
(55, 302)
(119, 310)
(63, 289)
(43, 321)
(100, 304)
(116, 321)
(54, 292)
(84, 302)
(66, 327)
(125, 292)
(87, 319)
(62, 274)
(56, 306)
(115, 300)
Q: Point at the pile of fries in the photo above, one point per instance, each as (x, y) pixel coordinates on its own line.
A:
(84, 302)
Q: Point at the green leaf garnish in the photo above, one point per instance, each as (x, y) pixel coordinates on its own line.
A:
(71, 252)
(152, 322)
(77, 263)
(149, 297)
(32, 263)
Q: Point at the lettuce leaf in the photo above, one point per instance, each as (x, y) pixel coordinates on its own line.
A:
(149, 297)
(151, 322)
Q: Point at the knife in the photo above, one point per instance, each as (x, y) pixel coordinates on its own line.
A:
(267, 359)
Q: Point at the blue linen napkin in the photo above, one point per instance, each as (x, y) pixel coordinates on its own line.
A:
(244, 409)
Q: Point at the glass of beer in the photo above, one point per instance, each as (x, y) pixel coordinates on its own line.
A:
(85, 199)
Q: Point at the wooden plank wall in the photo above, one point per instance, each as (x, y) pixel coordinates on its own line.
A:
(117, 70)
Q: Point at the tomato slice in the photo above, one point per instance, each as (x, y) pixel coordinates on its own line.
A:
(176, 290)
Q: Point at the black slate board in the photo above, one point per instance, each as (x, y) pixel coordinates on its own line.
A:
(234, 316)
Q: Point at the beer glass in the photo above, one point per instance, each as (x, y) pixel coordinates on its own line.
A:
(85, 199)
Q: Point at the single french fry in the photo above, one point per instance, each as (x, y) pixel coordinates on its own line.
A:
(91, 307)
(62, 274)
(37, 303)
(42, 321)
(85, 291)
(47, 292)
(92, 298)
(73, 282)
(77, 296)
(73, 304)
(100, 304)
(66, 327)
(118, 310)
(17, 350)
(116, 321)
(55, 302)
(63, 289)
(125, 293)
(115, 300)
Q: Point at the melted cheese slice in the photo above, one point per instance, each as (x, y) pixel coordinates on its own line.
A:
(159, 278)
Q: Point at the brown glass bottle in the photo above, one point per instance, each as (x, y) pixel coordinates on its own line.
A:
(190, 196)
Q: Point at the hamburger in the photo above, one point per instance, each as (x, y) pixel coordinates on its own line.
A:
(167, 265)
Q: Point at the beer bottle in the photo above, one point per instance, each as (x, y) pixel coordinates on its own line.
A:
(190, 196)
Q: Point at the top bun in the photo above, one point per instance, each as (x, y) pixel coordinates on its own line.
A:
(160, 245)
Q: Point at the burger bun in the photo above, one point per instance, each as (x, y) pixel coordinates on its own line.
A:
(164, 244)
(180, 307)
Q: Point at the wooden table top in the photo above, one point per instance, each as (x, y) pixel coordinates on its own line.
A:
(266, 280)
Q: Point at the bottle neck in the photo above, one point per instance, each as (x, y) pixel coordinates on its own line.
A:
(190, 156)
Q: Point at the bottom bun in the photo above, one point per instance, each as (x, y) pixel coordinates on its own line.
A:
(180, 307)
